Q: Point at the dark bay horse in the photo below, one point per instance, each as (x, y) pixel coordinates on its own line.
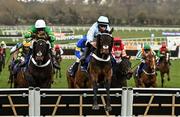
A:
(58, 59)
(40, 69)
(121, 73)
(148, 77)
(164, 67)
(100, 67)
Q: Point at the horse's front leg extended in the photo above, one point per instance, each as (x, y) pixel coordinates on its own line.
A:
(107, 86)
(95, 89)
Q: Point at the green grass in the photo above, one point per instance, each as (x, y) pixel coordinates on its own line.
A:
(65, 64)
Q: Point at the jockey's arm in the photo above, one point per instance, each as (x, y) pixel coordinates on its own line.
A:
(61, 50)
(30, 32)
(91, 33)
(139, 54)
(48, 30)
(78, 52)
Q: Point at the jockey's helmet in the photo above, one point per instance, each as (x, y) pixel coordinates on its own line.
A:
(40, 24)
(57, 47)
(103, 21)
(147, 47)
(26, 44)
(2, 42)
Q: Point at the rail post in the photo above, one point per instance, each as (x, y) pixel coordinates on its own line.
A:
(37, 102)
(124, 102)
(31, 101)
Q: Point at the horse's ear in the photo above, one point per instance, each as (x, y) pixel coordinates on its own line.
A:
(112, 29)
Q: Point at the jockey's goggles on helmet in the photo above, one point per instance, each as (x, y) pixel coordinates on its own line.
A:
(102, 25)
(116, 44)
(40, 29)
(146, 50)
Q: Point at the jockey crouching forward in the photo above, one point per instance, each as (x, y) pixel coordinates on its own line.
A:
(142, 56)
(21, 56)
(79, 50)
(39, 29)
(162, 52)
(102, 25)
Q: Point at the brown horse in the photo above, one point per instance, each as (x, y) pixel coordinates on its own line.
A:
(81, 79)
(164, 68)
(100, 67)
(148, 77)
(40, 69)
(58, 59)
(20, 81)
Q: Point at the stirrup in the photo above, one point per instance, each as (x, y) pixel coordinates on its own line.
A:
(83, 69)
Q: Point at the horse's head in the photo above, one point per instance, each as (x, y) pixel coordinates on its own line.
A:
(40, 51)
(166, 57)
(58, 54)
(104, 44)
(151, 61)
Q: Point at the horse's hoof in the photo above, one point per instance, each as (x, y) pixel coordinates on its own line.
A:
(95, 107)
(168, 79)
(108, 108)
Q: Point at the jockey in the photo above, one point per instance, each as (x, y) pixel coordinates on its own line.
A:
(142, 56)
(1, 49)
(80, 48)
(118, 50)
(3, 45)
(21, 57)
(161, 52)
(39, 28)
(100, 26)
(57, 48)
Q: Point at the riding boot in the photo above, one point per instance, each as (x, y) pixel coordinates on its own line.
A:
(85, 55)
(139, 70)
(54, 62)
(73, 69)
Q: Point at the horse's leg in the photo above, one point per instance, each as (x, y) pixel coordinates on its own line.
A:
(168, 76)
(59, 73)
(107, 86)
(95, 89)
(162, 79)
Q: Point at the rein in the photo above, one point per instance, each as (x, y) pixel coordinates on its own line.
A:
(153, 73)
(43, 65)
(101, 59)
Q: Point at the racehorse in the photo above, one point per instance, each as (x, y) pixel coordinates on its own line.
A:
(40, 69)
(58, 59)
(1, 62)
(121, 73)
(100, 67)
(164, 68)
(148, 76)
(81, 79)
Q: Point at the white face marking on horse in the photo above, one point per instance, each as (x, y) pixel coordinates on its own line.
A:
(39, 53)
(105, 46)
